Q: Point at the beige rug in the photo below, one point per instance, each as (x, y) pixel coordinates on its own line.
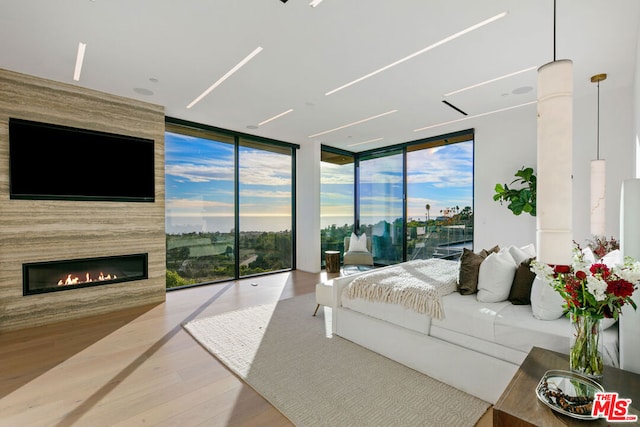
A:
(284, 353)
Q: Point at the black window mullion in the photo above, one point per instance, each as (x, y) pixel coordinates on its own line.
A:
(236, 203)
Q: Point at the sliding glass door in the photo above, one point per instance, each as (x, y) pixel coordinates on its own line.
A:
(265, 210)
(199, 207)
(381, 209)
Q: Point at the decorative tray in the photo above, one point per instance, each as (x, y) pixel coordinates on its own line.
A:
(568, 393)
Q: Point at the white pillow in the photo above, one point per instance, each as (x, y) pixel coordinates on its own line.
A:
(588, 256)
(546, 303)
(358, 244)
(613, 258)
(495, 276)
(530, 250)
(520, 254)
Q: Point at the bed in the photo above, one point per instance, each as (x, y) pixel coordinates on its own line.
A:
(474, 346)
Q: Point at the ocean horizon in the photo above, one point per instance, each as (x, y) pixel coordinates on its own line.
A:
(186, 224)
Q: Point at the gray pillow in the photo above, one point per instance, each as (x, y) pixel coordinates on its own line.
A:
(469, 268)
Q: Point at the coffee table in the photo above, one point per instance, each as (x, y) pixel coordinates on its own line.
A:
(519, 406)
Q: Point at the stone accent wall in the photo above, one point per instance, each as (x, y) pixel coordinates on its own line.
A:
(35, 230)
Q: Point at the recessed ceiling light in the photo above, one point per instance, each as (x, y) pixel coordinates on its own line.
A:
(79, 60)
(226, 76)
(143, 91)
(275, 117)
(522, 90)
(365, 142)
(352, 124)
(490, 81)
(426, 49)
(473, 117)
(314, 3)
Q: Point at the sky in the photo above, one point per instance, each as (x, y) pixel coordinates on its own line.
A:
(200, 191)
(199, 186)
(441, 177)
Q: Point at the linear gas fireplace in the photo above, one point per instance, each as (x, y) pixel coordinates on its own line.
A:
(52, 276)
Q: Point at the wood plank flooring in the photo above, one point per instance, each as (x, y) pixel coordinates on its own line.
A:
(138, 366)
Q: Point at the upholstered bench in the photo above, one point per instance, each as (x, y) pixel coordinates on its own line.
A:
(324, 295)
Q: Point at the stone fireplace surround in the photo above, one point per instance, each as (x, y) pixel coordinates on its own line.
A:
(48, 230)
(65, 275)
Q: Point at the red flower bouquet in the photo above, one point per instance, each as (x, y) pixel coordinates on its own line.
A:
(591, 293)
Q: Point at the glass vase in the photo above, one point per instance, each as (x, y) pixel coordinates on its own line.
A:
(586, 346)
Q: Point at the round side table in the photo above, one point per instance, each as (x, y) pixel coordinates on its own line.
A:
(332, 261)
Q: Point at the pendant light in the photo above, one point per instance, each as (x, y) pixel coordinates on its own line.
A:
(554, 238)
(598, 176)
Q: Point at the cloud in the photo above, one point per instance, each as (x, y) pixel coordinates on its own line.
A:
(199, 173)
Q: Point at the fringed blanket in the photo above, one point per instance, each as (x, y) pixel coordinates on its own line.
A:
(417, 285)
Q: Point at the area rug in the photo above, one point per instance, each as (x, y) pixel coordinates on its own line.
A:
(314, 379)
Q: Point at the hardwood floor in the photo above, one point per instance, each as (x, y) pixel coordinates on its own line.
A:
(139, 366)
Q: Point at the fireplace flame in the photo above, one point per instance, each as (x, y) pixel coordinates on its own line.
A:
(88, 279)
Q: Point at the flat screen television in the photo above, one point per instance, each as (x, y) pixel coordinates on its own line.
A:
(52, 162)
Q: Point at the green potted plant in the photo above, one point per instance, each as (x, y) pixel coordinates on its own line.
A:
(522, 199)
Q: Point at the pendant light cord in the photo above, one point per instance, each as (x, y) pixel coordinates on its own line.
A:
(554, 30)
(598, 126)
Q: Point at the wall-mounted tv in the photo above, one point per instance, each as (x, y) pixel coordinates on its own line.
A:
(52, 162)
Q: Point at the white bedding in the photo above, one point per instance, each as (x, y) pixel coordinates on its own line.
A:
(418, 285)
(500, 330)
(466, 315)
(392, 313)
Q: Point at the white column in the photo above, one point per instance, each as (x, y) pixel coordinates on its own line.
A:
(308, 208)
(554, 180)
(598, 184)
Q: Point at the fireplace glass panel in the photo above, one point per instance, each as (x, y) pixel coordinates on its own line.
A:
(55, 276)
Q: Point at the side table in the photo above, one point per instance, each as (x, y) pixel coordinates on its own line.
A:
(519, 406)
(332, 261)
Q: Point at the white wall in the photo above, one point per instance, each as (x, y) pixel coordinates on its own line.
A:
(308, 208)
(504, 142)
(636, 111)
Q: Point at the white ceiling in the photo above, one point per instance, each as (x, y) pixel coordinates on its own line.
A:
(168, 52)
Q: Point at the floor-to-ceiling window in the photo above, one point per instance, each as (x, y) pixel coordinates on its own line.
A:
(415, 200)
(228, 205)
(439, 198)
(336, 199)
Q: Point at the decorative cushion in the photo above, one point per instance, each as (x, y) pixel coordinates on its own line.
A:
(520, 254)
(546, 303)
(613, 258)
(496, 276)
(530, 250)
(608, 322)
(469, 268)
(520, 293)
(358, 244)
(588, 255)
